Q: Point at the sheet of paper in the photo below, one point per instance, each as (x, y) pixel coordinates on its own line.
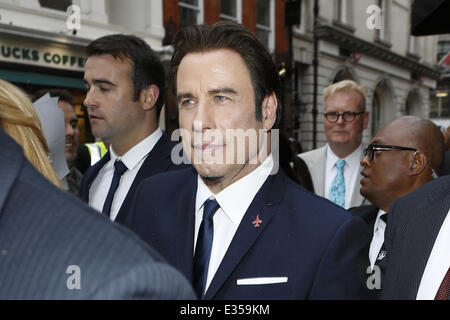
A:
(52, 121)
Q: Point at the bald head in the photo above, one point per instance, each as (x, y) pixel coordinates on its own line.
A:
(422, 134)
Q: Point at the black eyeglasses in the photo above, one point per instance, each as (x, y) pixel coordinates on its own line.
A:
(348, 116)
(371, 148)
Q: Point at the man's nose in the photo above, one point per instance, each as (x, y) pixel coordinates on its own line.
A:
(203, 119)
(90, 99)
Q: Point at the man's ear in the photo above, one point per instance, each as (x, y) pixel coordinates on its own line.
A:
(419, 163)
(149, 96)
(269, 110)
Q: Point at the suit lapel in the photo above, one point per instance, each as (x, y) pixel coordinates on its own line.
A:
(262, 207)
(318, 171)
(423, 225)
(90, 176)
(357, 198)
(157, 161)
(185, 215)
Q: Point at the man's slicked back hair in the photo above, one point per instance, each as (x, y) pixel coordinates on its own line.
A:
(235, 37)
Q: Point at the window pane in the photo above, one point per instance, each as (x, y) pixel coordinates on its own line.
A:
(263, 12)
(191, 2)
(263, 36)
(228, 7)
(188, 17)
(56, 4)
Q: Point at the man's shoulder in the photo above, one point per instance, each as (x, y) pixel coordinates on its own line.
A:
(72, 234)
(306, 202)
(173, 179)
(314, 154)
(429, 193)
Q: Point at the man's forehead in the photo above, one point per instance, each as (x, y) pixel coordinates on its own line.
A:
(392, 135)
(344, 99)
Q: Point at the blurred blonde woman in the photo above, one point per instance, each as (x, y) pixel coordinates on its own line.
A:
(19, 119)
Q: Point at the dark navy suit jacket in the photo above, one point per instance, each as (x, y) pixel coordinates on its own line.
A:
(158, 160)
(53, 246)
(413, 224)
(317, 245)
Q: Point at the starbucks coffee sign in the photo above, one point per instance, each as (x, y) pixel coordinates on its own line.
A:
(50, 55)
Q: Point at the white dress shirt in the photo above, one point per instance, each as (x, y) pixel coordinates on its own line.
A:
(377, 239)
(437, 264)
(234, 201)
(133, 160)
(351, 169)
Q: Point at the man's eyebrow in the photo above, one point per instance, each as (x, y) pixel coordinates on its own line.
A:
(376, 141)
(100, 81)
(222, 90)
(183, 96)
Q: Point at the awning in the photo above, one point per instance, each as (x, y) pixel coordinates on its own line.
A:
(430, 17)
(41, 79)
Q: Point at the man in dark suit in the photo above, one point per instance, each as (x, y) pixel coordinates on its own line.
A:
(235, 225)
(403, 155)
(53, 246)
(125, 92)
(418, 243)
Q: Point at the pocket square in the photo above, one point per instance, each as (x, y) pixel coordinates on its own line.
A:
(265, 280)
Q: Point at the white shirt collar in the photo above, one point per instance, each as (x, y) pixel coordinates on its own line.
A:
(352, 160)
(379, 221)
(133, 156)
(235, 199)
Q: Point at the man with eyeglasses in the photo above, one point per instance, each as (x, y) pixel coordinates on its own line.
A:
(404, 155)
(335, 168)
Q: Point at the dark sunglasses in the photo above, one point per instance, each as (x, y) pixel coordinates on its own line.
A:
(371, 148)
(348, 116)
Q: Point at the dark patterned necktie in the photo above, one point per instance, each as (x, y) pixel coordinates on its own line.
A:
(444, 290)
(119, 170)
(203, 246)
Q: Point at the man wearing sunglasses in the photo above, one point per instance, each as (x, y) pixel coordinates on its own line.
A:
(335, 168)
(404, 155)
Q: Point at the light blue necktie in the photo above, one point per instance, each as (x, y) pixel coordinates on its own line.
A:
(337, 191)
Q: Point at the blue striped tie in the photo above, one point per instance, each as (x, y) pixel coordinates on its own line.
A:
(337, 191)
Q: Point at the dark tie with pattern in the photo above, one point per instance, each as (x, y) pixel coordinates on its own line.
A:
(203, 246)
(119, 170)
(444, 290)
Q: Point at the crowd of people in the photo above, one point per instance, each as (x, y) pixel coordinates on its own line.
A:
(240, 212)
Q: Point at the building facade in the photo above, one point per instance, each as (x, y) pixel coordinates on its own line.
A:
(42, 42)
(369, 42)
(42, 46)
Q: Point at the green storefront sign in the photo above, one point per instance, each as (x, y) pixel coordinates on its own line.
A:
(46, 58)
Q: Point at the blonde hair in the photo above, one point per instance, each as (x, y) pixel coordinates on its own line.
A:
(349, 85)
(20, 120)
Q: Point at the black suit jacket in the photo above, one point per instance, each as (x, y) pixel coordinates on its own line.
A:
(317, 246)
(53, 246)
(158, 160)
(368, 213)
(445, 168)
(413, 224)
